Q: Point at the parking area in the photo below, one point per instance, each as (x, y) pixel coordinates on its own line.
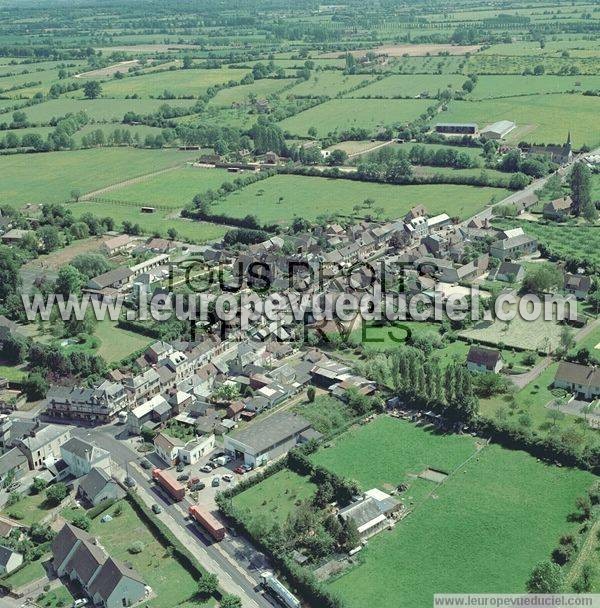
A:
(205, 472)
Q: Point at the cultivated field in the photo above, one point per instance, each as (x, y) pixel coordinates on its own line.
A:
(487, 513)
(413, 50)
(50, 177)
(343, 114)
(509, 86)
(280, 198)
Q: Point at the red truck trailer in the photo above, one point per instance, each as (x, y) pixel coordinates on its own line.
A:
(208, 521)
(172, 486)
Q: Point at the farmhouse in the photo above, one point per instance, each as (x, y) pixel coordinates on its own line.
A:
(559, 209)
(457, 128)
(481, 359)
(107, 582)
(498, 130)
(370, 512)
(578, 285)
(269, 438)
(114, 279)
(513, 247)
(118, 244)
(558, 154)
(582, 380)
(14, 236)
(510, 272)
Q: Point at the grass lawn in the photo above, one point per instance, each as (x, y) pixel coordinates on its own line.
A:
(33, 571)
(480, 533)
(31, 509)
(274, 498)
(160, 221)
(389, 451)
(56, 598)
(310, 197)
(343, 114)
(535, 117)
(172, 584)
(111, 110)
(326, 414)
(117, 343)
(50, 177)
(179, 82)
(12, 372)
(328, 83)
(591, 341)
(171, 189)
(410, 86)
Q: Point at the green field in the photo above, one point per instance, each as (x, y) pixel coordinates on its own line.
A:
(158, 222)
(329, 83)
(506, 86)
(275, 497)
(117, 343)
(111, 110)
(174, 188)
(343, 114)
(260, 88)
(178, 82)
(312, 196)
(479, 532)
(535, 116)
(388, 452)
(50, 177)
(411, 86)
(172, 584)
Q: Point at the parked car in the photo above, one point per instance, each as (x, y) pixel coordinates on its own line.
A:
(247, 467)
(180, 467)
(129, 482)
(183, 477)
(157, 508)
(216, 481)
(79, 603)
(146, 464)
(227, 477)
(197, 486)
(206, 468)
(240, 470)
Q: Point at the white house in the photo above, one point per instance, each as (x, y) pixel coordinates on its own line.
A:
(81, 457)
(9, 560)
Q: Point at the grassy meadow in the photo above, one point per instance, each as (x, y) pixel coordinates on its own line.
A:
(280, 198)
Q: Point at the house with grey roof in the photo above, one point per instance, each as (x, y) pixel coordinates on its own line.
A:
(98, 486)
(82, 456)
(513, 247)
(13, 464)
(582, 380)
(43, 443)
(106, 581)
(370, 512)
(10, 560)
(115, 279)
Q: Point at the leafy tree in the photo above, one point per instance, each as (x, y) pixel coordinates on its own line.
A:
(92, 89)
(580, 181)
(76, 194)
(543, 279)
(56, 493)
(69, 281)
(14, 349)
(546, 577)
(82, 521)
(310, 393)
(230, 601)
(187, 62)
(90, 264)
(208, 585)
(35, 386)
(39, 485)
(50, 237)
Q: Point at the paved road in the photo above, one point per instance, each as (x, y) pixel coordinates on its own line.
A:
(234, 560)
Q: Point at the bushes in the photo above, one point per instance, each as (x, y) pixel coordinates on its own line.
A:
(100, 508)
(136, 547)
